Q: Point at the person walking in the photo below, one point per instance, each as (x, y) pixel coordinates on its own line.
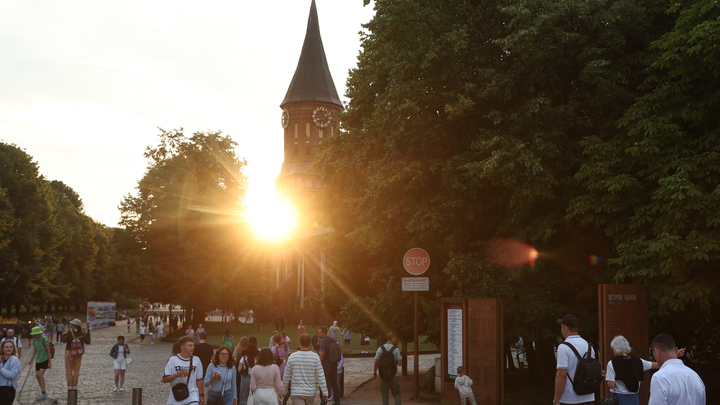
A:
(301, 330)
(10, 336)
(221, 377)
(119, 353)
(51, 329)
(9, 371)
(364, 342)
(278, 351)
(190, 332)
(675, 383)
(384, 363)
(41, 354)
(305, 370)
(143, 330)
(238, 353)
(265, 382)
(567, 363)
(59, 329)
(199, 330)
(204, 351)
(228, 340)
(347, 336)
(330, 368)
(245, 365)
(184, 368)
(75, 340)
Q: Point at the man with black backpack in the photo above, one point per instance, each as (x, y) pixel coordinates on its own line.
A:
(387, 361)
(579, 373)
(329, 357)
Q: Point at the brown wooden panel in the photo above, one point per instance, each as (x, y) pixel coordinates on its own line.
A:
(485, 352)
(624, 311)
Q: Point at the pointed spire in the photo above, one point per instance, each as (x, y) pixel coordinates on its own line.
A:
(312, 80)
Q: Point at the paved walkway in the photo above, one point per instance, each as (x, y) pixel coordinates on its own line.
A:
(97, 374)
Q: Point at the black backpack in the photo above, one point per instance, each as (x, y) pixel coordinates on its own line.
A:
(333, 354)
(387, 365)
(588, 374)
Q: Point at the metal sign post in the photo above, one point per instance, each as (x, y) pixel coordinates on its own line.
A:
(416, 262)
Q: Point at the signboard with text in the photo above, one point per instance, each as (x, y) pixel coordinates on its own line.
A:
(416, 284)
(99, 314)
(416, 261)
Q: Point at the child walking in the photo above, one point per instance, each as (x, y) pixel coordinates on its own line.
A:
(464, 386)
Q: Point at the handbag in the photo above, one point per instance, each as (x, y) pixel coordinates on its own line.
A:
(180, 391)
(250, 399)
(128, 361)
(246, 369)
(607, 401)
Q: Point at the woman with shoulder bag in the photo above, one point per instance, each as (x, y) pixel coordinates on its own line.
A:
(245, 365)
(75, 340)
(278, 352)
(221, 377)
(238, 353)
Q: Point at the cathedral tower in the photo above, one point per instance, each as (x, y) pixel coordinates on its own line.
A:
(308, 117)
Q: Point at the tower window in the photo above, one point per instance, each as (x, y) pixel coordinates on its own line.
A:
(296, 130)
(307, 129)
(308, 183)
(320, 134)
(308, 153)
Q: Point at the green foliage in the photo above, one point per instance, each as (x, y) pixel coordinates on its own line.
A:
(654, 187)
(182, 228)
(465, 124)
(29, 234)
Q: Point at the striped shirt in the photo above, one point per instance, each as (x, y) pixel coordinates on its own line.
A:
(306, 372)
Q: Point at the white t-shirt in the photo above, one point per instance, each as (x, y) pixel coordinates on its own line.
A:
(620, 387)
(176, 364)
(142, 330)
(566, 359)
(121, 353)
(18, 342)
(676, 384)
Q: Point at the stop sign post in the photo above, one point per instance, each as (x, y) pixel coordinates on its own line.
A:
(416, 262)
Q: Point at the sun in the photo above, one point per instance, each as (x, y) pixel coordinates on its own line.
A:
(272, 218)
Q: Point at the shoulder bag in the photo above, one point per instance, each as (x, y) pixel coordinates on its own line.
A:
(180, 391)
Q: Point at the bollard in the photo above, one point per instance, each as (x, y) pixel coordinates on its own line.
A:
(72, 397)
(137, 396)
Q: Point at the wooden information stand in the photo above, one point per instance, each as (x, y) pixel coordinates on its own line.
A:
(471, 336)
(624, 311)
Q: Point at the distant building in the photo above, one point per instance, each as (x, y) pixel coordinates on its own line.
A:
(308, 117)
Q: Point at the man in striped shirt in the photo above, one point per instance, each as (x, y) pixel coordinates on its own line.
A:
(306, 372)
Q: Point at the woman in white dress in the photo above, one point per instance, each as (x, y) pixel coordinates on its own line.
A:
(265, 381)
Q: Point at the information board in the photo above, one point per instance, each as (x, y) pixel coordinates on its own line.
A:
(454, 340)
(416, 283)
(99, 314)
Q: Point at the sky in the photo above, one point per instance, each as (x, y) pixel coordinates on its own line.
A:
(85, 85)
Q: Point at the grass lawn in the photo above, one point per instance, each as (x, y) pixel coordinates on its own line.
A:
(215, 332)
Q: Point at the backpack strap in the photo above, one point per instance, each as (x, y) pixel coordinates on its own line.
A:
(578, 354)
(383, 348)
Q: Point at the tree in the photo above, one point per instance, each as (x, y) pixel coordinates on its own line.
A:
(184, 220)
(28, 255)
(466, 124)
(654, 186)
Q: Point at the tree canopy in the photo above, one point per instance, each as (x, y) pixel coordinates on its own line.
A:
(470, 121)
(185, 223)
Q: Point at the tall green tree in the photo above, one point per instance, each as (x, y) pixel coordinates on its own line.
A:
(29, 234)
(184, 220)
(654, 187)
(465, 124)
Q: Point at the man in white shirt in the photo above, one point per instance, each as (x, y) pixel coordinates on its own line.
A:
(306, 372)
(176, 372)
(674, 383)
(11, 337)
(567, 363)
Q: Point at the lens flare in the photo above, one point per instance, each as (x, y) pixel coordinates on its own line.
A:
(511, 252)
(594, 260)
(271, 217)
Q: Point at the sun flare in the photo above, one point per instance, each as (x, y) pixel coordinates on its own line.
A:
(271, 217)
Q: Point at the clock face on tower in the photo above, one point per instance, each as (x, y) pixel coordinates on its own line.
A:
(322, 117)
(285, 118)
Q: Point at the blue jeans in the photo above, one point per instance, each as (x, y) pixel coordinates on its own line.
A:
(623, 399)
(226, 399)
(390, 385)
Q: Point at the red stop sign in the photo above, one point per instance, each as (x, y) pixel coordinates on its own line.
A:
(416, 261)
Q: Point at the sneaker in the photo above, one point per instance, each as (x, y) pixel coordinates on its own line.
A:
(122, 389)
(41, 396)
(115, 389)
